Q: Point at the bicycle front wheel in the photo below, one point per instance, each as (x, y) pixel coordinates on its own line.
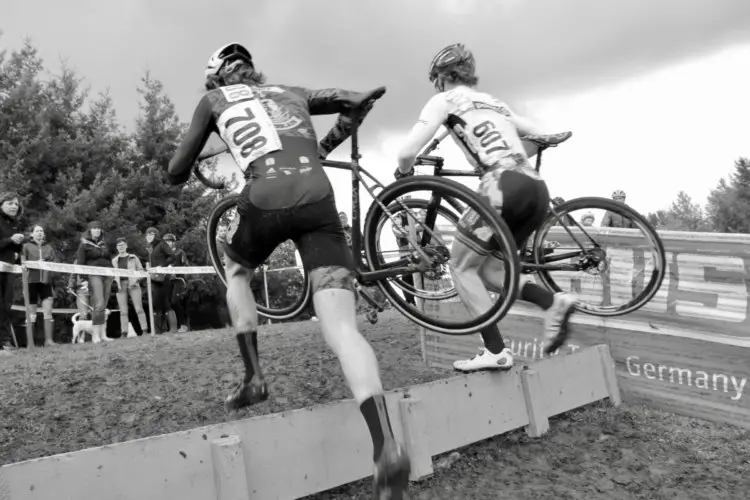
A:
(613, 271)
(282, 290)
(427, 254)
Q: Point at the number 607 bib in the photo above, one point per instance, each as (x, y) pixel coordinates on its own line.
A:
(246, 127)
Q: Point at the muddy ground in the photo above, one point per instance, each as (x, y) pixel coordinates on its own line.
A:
(67, 398)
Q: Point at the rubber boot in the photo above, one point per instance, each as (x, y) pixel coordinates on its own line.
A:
(49, 330)
(158, 319)
(30, 341)
(172, 319)
(96, 334)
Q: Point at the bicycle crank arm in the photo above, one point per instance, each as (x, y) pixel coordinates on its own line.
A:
(367, 277)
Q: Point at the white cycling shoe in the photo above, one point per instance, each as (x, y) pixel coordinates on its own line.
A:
(485, 360)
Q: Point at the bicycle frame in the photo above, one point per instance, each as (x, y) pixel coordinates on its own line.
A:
(392, 269)
(437, 163)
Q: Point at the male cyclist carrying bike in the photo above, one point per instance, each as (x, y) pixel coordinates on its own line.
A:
(488, 133)
(269, 132)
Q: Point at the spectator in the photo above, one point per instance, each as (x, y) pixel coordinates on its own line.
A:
(221, 241)
(159, 255)
(94, 252)
(615, 220)
(588, 219)
(130, 287)
(11, 243)
(178, 287)
(40, 285)
(401, 233)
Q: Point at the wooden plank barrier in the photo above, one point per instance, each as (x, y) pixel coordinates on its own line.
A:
(687, 351)
(300, 452)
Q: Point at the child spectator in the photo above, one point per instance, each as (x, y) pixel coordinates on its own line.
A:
(128, 287)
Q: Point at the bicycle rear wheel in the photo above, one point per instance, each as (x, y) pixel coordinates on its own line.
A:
(283, 291)
(429, 255)
(603, 266)
(400, 210)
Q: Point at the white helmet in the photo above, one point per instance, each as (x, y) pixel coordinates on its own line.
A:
(225, 53)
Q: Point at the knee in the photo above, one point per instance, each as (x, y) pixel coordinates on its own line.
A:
(332, 277)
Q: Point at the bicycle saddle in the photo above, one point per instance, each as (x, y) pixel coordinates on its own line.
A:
(363, 99)
(547, 141)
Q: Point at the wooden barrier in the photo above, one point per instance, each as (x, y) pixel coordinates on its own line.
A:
(300, 452)
(688, 351)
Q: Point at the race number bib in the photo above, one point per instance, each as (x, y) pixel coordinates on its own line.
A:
(246, 127)
(491, 136)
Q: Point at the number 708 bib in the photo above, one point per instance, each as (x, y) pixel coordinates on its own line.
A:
(246, 127)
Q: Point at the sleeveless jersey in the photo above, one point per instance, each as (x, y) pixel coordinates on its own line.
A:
(480, 124)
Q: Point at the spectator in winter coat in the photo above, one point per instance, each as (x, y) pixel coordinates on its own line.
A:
(178, 314)
(221, 242)
(94, 252)
(40, 284)
(11, 241)
(159, 255)
(128, 287)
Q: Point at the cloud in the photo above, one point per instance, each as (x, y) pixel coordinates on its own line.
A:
(524, 49)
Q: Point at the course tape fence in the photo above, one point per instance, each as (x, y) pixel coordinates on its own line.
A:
(147, 273)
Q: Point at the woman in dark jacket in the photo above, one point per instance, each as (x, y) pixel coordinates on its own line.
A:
(159, 255)
(11, 241)
(37, 249)
(94, 252)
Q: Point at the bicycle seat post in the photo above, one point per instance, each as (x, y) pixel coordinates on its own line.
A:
(539, 158)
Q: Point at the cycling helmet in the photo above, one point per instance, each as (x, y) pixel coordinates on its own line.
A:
(454, 56)
(618, 194)
(588, 215)
(232, 52)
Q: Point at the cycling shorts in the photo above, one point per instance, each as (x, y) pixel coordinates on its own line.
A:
(314, 228)
(521, 201)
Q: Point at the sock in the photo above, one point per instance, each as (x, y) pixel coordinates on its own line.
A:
(531, 292)
(245, 339)
(493, 341)
(376, 416)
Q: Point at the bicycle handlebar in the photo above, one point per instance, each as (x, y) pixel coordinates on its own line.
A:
(206, 181)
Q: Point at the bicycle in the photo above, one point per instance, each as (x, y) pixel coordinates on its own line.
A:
(541, 260)
(429, 255)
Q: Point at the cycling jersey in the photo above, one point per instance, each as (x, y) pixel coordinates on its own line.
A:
(269, 132)
(481, 126)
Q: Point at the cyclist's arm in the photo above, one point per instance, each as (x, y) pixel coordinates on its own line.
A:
(430, 120)
(606, 220)
(330, 101)
(187, 152)
(213, 148)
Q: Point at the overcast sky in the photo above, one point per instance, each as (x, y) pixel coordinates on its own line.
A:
(656, 92)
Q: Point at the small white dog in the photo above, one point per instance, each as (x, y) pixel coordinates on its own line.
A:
(83, 326)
